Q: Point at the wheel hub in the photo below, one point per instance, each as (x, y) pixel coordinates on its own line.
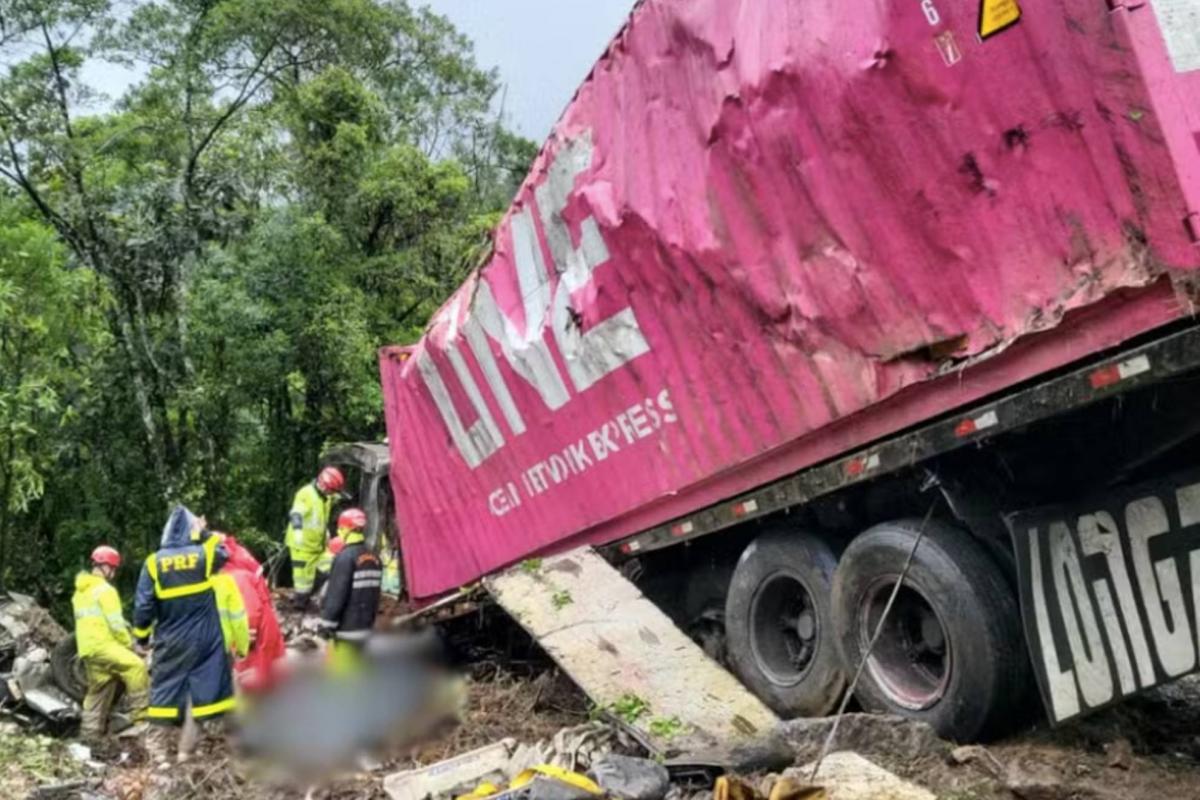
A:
(806, 625)
(784, 629)
(912, 658)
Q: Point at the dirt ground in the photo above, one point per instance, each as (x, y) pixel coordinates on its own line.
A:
(1147, 747)
(499, 705)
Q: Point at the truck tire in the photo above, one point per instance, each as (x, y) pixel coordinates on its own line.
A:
(951, 651)
(66, 667)
(779, 625)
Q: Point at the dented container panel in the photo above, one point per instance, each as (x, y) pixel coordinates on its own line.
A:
(765, 232)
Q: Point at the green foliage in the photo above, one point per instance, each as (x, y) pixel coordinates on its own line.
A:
(561, 599)
(666, 728)
(531, 566)
(195, 277)
(630, 708)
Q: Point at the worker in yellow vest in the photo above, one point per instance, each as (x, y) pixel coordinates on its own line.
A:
(308, 522)
(105, 645)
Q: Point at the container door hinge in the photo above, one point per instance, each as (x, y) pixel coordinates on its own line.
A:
(1192, 223)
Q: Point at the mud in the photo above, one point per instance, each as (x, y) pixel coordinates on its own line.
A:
(1147, 747)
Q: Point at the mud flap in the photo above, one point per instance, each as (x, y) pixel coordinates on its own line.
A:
(1110, 592)
(626, 654)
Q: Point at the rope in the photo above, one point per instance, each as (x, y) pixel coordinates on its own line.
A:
(837, 720)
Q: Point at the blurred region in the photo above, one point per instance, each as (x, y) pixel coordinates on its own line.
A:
(329, 711)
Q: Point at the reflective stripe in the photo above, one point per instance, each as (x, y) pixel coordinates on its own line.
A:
(181, 591)
(353, 636)
(326, 623)
(214, 708)
(87, 612)
(210, 554)
(368, 573)
(209, 547)
(159, 712)
(372, 583)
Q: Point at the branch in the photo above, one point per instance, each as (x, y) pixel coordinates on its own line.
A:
(412, 309)
(71, 161)
(243, 97)
(59, 83)
(17, 176)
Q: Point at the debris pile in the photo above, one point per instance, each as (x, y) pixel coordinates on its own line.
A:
(578, 763)
(523, 730)
(32, 658)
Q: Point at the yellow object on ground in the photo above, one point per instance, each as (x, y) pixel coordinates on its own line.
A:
(345, 658)
(566, 776)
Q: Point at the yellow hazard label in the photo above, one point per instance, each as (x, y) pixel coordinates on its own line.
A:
(996, 16)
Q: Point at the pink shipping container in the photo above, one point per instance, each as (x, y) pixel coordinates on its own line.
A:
(767, 232)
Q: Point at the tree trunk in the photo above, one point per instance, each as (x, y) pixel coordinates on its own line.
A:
(5, 514)
(146, 409)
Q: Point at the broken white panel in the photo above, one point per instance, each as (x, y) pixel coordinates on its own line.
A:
(1180, 24)
(466, 770)
(614, 643)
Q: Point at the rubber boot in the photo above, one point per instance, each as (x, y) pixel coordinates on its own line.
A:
(160, 745)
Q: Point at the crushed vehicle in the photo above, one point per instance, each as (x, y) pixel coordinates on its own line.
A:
(41, 678)
(798, 294)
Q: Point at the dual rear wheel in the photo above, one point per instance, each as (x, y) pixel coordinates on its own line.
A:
(950, 653)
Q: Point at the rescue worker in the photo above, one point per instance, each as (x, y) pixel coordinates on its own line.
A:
(235, 628)
(105, 645)
(307, 524)
(255, 671)
(176, 600)
(352, 594)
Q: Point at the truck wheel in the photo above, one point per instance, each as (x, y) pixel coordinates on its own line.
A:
(950, 652)
(779, 625)
(66, 667)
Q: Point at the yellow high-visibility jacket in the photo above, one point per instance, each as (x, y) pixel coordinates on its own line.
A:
(232, 610)
(98, 618)
(308, 520)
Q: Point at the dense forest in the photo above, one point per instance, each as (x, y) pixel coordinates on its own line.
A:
(196, 273)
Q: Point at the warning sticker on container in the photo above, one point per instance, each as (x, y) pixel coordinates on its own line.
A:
(1180, 23)
(997, 15)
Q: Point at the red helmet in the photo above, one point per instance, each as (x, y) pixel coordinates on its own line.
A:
(107, 556)
(330, 480)
(352, 518)
(336, 545)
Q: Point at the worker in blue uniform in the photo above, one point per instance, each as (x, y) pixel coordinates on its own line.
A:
(175, 601)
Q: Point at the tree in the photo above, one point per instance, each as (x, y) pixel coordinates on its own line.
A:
(288, 187)
(48, 327)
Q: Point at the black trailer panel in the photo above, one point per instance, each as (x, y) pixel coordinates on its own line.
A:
(1133, 368)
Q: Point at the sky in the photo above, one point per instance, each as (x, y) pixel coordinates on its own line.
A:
(542, 48)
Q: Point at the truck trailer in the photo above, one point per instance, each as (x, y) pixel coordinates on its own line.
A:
(795, 285)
